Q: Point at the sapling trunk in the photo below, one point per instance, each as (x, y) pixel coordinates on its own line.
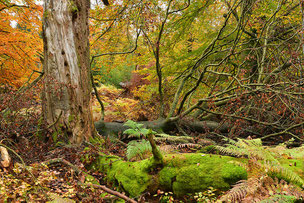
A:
(158, 157)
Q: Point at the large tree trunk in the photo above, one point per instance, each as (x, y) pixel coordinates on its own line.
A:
(66, 65)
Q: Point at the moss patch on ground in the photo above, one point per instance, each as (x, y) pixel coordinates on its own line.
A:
(295, 165)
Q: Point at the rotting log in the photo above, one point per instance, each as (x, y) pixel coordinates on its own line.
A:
(162, 125)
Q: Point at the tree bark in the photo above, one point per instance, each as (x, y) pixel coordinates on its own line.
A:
(66, 66)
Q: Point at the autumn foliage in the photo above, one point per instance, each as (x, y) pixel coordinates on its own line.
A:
(20, 41)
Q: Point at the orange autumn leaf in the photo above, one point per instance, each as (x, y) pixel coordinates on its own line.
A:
(20, 41)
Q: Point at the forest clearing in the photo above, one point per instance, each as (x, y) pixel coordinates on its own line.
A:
(151, 101)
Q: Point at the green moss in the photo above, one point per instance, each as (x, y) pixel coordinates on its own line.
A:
(295, 165)
(281, 199)
(91, 179)
(132, 177)
(167, 176)
(191, 173)
(186, 173)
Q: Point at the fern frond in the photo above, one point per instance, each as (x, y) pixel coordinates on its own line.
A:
(248, 148)
(262, 189)
(138, 148)
(237, 193)
(230, 151)
(255, 151)
(284, 173)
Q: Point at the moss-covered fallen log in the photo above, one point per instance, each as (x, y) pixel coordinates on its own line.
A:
(181, 173)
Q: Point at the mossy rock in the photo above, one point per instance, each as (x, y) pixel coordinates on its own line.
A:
(182, 173)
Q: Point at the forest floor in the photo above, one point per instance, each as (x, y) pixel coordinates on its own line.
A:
(41, 181)
(50, 166)
(30, 178)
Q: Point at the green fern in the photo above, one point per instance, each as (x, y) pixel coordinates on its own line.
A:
(247, 148)
(138, 149)
(137, 129)
(268, 164)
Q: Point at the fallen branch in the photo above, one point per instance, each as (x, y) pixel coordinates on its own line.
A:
(286, 131)
(63, 161)
(112, 192)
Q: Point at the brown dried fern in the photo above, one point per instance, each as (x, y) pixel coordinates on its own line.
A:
(257, 189)
(189, 145)
(254, 150)
(260, 184)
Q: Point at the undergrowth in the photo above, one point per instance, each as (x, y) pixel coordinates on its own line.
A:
(267, 178)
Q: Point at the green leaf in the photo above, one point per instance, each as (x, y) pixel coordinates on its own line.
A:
(131, 124)
(144, 131)
(135, 134)
(138, 148)
(129, 131)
